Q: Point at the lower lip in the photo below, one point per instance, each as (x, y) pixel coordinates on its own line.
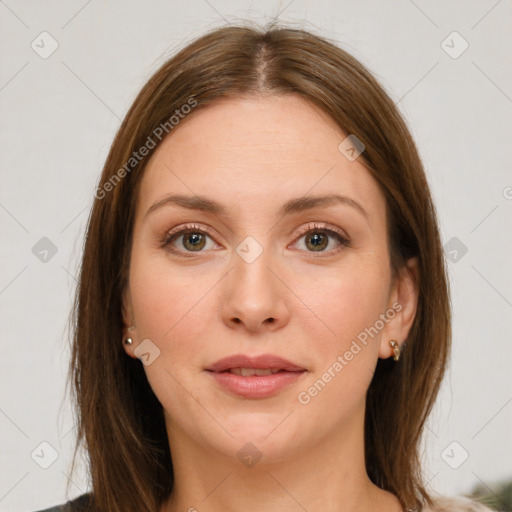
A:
(256, 386)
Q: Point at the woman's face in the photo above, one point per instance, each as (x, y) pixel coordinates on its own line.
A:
(249, 261)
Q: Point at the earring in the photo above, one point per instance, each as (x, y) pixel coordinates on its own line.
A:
(129, 341)
(396, 349)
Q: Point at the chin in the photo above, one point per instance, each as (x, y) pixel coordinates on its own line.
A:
(262, 436)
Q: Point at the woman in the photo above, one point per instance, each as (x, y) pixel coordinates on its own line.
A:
(262, 317)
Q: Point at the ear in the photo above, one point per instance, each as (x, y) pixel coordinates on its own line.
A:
(128, 321)
(403, 300)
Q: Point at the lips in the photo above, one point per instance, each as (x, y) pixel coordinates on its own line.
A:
(254, 377)
(262, 362)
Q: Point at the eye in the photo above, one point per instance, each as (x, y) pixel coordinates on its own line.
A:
(317, 238)
(189, 239)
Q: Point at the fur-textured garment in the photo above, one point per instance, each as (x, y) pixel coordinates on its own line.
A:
(459, 504)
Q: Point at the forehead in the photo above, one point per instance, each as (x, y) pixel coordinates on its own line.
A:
(257, 151)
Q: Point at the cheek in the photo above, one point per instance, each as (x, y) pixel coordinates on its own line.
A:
(345, 300)
(170, 309)
(351, 302)
(170, 306)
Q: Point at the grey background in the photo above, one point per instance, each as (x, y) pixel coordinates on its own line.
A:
(59, 116)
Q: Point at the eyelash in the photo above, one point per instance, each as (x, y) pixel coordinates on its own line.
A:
(310, 228)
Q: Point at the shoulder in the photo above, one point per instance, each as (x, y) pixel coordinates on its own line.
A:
(80, 504)
(457, 504)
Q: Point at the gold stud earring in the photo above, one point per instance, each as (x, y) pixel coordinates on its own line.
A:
(396, 349)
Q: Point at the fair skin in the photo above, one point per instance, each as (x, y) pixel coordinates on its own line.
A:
(252, 155)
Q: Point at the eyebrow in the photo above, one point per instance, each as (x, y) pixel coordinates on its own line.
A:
(295, 205)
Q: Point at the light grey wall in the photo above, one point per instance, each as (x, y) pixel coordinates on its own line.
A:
(59, 116)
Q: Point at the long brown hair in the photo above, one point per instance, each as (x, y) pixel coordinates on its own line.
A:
(120, 421)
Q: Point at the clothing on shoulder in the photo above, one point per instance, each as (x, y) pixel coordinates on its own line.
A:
(80, 504)
(457, 504)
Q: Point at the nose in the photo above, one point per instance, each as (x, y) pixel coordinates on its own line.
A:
(255, 295)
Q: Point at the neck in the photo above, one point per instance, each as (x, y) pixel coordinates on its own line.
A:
(329, 476)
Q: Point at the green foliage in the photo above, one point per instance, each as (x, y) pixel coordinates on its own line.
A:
(499, 497)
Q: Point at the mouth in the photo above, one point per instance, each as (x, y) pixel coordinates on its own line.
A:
(244, 365)
(255, 377)
(249, 372)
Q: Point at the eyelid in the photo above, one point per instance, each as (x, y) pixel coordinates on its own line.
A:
(322, 226)
(183, 228)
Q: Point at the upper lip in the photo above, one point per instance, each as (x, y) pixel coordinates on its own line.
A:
(262, 361)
